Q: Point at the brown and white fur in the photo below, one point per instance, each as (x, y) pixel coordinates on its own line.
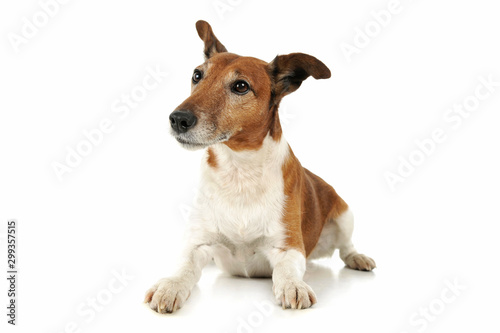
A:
(260, 213)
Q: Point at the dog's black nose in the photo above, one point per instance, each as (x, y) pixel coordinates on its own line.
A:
(182, 121)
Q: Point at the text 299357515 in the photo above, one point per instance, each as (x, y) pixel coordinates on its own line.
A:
(11, 271)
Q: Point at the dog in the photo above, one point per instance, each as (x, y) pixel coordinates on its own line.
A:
(259, 212)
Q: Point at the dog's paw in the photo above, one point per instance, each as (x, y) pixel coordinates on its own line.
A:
(360, 262)
(294, 294)
(167, 295)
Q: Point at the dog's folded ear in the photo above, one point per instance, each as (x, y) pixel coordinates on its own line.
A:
(212, 44)
(288, 71)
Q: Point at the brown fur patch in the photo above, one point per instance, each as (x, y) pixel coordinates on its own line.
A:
(212, 44)
(247, 118)
(212, 158)
(289, 71)
(310, 202)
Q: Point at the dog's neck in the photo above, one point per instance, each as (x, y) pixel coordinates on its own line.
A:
(246, 169)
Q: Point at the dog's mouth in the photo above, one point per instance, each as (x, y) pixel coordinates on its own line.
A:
(194, 144)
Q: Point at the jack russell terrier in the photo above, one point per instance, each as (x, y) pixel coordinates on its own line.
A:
(260, 213)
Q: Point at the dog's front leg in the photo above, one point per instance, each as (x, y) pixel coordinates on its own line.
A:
(289, 289)
(169, 294)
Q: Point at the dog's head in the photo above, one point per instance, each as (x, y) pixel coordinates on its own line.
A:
(235, 99)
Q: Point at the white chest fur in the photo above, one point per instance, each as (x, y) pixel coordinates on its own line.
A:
(240, 203)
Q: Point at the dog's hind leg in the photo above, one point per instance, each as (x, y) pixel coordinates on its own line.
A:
(343, 227)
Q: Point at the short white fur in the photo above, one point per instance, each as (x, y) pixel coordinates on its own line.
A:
(237, 222)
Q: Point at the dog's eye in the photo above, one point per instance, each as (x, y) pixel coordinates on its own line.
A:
(197, 75)
(240, 87)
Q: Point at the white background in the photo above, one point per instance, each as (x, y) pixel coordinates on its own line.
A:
(124, 206)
